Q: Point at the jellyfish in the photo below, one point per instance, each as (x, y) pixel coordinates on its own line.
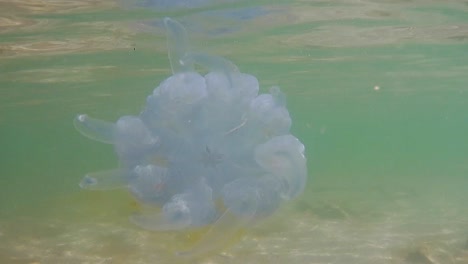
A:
(211, 17)
(205, 151)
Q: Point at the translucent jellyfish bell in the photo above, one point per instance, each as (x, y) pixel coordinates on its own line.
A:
(204, 151)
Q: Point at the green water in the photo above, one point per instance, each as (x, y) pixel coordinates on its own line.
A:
(378, 93)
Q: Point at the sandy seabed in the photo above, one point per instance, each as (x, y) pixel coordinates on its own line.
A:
(371, 225)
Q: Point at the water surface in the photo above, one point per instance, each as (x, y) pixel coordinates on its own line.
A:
(378, 93)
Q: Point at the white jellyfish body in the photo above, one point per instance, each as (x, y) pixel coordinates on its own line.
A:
(205, 150)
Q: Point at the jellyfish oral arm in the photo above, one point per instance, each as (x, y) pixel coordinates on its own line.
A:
(95, 129)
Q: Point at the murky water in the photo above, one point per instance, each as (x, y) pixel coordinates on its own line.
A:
(378, 93)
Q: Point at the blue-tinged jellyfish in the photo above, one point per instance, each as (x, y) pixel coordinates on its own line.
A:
(206, 151)
(212, 17)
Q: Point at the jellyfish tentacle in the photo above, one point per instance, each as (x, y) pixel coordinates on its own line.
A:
(283, 157)
(253, 197)
(178, 46)
(148, 183)
(175, 215)
(246, 201)
(105, 180)
(188, 209)
(218, 235)
(179, 213)
(213, 64)
(95, 129)
(280, 98)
